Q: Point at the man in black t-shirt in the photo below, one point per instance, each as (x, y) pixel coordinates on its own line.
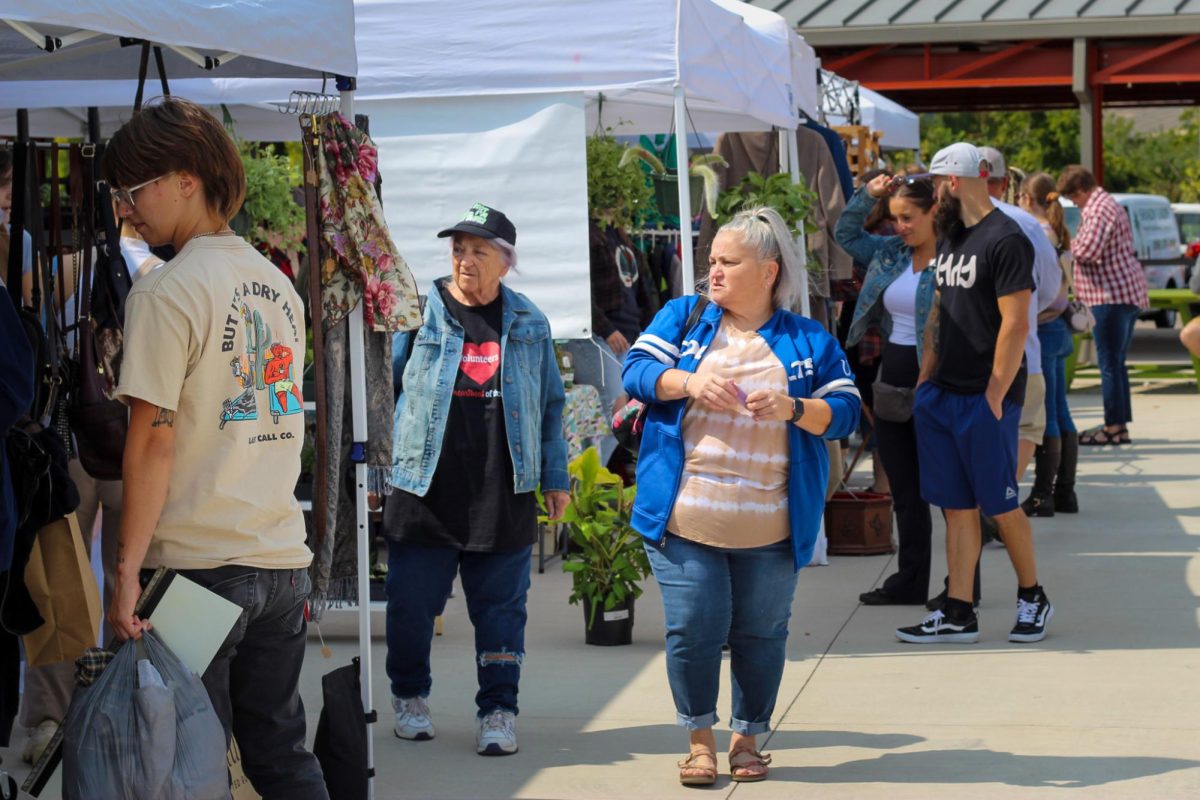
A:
(970, 392)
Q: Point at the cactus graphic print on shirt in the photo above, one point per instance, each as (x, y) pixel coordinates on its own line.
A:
(217, 335)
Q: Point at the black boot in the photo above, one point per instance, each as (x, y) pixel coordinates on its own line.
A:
(1065, 501)
(1046, 461)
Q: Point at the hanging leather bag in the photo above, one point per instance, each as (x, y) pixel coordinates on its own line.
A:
(99, 421)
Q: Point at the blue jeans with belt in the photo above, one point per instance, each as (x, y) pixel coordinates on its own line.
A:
(1112, 333)
(1057, 343)
(714, 595)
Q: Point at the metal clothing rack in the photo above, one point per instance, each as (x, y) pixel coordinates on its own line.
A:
(309, 106)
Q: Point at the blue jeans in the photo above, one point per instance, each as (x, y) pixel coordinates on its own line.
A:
(597, 365)
(254, 678)
(1057, 343)
(495, 584)
(1112, 333)
(716, 595)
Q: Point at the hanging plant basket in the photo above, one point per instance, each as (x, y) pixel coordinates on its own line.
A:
(666, 193)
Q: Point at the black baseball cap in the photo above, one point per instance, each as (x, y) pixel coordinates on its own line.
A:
(484, 222)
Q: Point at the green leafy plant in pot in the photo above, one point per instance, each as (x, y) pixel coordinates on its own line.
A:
(793, 201)
(704, 183)
(606, 559)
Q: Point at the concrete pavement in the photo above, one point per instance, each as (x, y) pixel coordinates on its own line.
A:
(1106, 707)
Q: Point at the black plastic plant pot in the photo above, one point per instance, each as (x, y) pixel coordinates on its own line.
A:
(666, 194)
(610, 627)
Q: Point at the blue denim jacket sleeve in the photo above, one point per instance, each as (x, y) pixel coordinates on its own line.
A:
(835, 385)
(554, 446)
(399, 360)
(656, 350)
(851, 235)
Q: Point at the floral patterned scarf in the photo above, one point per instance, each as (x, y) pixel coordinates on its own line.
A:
(358, 258)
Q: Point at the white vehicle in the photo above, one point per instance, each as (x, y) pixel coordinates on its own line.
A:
(1155, 241)
(1187, 215)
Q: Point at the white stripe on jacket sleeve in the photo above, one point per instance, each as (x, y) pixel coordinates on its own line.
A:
(840, 385)
(658, 354)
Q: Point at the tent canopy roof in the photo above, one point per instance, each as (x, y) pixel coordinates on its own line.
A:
(249, 38)
(741, 67)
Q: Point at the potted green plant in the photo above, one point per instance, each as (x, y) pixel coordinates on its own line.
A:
(606, 559)
(704, 183)
(794, 202)
(615, 189)
(270, 215)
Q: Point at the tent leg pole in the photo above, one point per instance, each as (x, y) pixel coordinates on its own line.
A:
(685, 193)
(801, 242)
(358, 405)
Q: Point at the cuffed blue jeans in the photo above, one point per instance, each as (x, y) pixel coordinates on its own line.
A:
(495, 584)
(715, 595)
(1057, 343)
(1112, 333)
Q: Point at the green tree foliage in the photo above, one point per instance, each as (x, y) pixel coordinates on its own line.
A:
(1031, 140)
(1165, 162)
(616, 188)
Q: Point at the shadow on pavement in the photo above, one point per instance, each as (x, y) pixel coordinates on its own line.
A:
(985, 766)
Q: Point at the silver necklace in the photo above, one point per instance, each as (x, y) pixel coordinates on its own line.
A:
(222, 232)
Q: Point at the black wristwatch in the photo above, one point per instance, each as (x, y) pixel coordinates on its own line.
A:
(797, 409)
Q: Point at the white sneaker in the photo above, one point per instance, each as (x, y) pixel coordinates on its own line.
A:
(39, 740)
(497, 734)
(413, 720)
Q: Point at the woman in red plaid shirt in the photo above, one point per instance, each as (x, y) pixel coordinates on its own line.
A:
(1110, 280)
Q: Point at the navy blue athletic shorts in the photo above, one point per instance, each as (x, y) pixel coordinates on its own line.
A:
(968, 457)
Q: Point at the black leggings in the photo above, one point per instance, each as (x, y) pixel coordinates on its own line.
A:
(896, 446)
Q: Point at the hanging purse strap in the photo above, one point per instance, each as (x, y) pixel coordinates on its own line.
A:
(143, 68)
(56, 250)
(310, 138)
(16, 223)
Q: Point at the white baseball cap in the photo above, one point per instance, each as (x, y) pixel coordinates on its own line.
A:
(996, 159)
(962, 160)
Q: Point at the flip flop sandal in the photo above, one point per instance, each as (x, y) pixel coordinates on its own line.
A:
(748, 766)
(1099, 437)
(701, 775)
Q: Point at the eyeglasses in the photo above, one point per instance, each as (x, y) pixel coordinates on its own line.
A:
(125, 196)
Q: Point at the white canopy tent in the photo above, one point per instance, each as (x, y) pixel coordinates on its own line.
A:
(47, 47)
(901, 128)
(648, 66)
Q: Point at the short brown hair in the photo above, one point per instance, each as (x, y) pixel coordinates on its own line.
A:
(178, 135)
(1075, 178)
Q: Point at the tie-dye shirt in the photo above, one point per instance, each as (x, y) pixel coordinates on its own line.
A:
(734, 487)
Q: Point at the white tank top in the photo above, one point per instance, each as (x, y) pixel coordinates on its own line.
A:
(900, 300)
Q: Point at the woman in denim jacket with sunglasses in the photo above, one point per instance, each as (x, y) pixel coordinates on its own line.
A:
(897, 295)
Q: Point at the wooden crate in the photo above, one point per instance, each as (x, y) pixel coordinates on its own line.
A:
(862, 146)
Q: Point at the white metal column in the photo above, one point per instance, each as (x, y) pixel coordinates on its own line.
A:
(358, 407)
(801, 241)
(685, 193)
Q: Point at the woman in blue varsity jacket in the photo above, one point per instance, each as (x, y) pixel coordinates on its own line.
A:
(731, 477)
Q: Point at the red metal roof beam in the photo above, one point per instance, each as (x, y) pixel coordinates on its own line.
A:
(854, 58)
(990, 60)
(1114, 72)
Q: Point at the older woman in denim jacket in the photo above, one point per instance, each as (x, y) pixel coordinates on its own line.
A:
(478, 428)
(897, 295)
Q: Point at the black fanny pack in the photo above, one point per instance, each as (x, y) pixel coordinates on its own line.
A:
(892, 403)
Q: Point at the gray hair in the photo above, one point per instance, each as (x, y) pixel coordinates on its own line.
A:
(507, 251)
(765, 232)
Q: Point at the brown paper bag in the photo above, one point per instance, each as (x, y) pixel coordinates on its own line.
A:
(60, 581)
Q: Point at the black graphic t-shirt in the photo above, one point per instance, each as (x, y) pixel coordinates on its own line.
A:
(470, 504)
(982, 263)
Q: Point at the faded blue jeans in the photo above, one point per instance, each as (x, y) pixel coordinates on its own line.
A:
(495, 584)
(714, 595)
(1057, 343)
(1112, 334)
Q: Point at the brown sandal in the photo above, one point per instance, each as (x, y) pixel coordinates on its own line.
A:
(747, 765)
(702, 775)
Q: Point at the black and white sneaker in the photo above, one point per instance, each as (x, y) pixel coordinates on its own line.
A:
(1032, 619)
(938, 628)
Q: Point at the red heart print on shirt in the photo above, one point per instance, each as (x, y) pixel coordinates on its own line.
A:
(480, 361)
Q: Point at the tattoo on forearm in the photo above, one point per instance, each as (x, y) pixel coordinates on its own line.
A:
(164, 417)
(932, 328)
